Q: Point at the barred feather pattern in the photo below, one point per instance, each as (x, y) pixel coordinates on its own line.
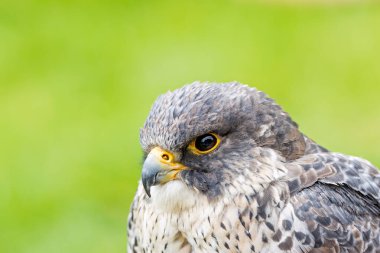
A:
(323, 202)
(266, 188)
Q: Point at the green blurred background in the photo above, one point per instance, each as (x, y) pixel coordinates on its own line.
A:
(77, 79)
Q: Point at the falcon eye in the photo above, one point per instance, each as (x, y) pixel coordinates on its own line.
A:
(204, 144)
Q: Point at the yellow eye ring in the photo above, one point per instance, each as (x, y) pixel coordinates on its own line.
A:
(204, 144)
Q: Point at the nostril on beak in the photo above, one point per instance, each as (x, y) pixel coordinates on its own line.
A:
(165, 157)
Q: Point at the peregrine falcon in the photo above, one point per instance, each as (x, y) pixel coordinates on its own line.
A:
(227, 170)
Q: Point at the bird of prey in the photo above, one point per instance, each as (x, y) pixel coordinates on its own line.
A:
(227, 170)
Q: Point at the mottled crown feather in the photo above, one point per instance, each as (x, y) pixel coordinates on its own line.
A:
(265, 187)
(179, 116)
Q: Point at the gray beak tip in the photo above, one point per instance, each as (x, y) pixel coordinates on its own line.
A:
(148, 181)
(147, 189)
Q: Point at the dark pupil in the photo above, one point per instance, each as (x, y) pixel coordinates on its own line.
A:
(205, 142)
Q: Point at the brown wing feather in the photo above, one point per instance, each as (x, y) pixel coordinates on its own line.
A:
(338, 197)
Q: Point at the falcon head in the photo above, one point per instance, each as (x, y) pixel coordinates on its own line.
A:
(204, 135)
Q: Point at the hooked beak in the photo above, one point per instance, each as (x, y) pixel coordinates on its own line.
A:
(159, 168)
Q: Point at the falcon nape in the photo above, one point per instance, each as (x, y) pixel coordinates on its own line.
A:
(227, 170)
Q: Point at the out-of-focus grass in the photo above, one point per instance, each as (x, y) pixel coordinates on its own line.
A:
(77, 79)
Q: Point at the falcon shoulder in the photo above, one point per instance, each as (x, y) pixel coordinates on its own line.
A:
(338, 197)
